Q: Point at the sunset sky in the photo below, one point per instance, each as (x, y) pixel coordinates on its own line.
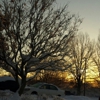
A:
(89, 10)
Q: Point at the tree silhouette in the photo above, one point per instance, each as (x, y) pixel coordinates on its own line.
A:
(81, 54)
(32, 35)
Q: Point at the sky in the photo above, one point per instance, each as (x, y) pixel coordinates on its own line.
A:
(89, 10)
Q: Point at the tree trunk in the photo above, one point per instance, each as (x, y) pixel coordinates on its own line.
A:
(22, 85)
(79, 86)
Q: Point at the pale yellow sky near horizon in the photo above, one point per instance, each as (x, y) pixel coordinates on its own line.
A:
(89, 11)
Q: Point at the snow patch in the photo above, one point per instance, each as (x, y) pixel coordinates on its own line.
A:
(5, 78)
(8, 95)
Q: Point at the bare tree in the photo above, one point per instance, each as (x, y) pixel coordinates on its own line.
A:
(96, 56)
(80, 58)
(54, 77)
(32, 31)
